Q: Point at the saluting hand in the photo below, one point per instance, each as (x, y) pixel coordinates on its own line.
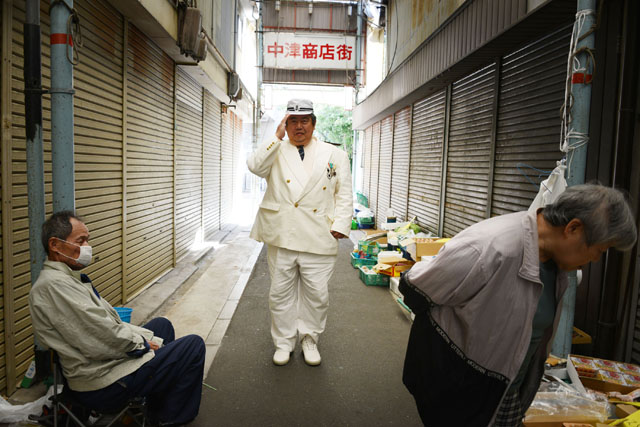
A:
(281, 130)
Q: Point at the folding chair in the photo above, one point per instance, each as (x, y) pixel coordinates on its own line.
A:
(66, 409)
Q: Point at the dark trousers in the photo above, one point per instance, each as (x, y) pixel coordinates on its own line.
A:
(171, 381)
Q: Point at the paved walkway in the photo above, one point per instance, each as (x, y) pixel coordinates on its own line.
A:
(358, 383)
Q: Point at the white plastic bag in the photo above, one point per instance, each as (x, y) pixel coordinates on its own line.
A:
(550, 189)
(16, 413)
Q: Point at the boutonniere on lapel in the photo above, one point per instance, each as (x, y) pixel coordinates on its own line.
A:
(331, 170)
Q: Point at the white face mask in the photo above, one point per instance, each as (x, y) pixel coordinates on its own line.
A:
(86, 253)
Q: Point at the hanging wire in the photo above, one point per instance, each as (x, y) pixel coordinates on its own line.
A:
(541, 173)
(74, 34)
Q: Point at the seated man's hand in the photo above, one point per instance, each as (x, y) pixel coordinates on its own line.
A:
(338, 235)
(153, 346)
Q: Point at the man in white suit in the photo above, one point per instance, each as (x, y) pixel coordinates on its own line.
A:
(307, 207)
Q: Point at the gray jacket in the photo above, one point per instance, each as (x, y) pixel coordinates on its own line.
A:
(84, 330)
(483, 290)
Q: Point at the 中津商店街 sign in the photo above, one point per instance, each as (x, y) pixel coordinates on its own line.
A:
(309, 51)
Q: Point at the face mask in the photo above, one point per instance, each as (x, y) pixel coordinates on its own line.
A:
(84, 259)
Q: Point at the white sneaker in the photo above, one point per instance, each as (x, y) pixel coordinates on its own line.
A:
(281, 357)
(310, 351)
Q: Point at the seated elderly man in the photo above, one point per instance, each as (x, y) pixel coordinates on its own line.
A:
(488, 305)
(105, 361)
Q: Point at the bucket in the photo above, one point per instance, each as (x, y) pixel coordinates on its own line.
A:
(124, 313)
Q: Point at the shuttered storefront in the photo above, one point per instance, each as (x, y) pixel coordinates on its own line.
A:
(226, 192)
(150, 168)
(237, 148)
(384, 169)
(211, 184)
(425, 169)
(400, 163)
(469, 150)
(366, 153)
(375, 164)
(98, 141)
(531, 94)
(188, 152)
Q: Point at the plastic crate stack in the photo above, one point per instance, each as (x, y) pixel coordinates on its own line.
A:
(364, 258)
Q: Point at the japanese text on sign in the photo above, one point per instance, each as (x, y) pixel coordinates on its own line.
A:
(307, 51)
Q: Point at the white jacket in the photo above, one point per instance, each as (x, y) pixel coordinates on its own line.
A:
(298, 211)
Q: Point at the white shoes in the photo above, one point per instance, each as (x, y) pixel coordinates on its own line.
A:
(281, 357)
(310, 351)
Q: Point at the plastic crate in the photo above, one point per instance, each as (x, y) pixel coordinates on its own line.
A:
(369, 248)
(362, 199)
(373, 279)
(365, 220)
(357, 262)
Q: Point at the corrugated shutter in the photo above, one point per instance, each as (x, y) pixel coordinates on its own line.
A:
(384, 170)
(531, 94)
(237, 148)
(469, 150)
(226, 193)
(425, 169)
(188, 182)
(366, 153)
(400, 163)
(211, 185)
(98, 141)
(150, 169)
(375, 164)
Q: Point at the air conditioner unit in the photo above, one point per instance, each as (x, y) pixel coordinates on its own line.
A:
(190, 38)
(233, 87)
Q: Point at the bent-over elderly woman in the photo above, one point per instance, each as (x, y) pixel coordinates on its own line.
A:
(487, 306)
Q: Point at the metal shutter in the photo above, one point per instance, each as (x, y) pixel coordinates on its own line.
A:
(400, 163)
(384, 170)
(366, 152)
(531, 94)
(188, 182)
(469, 150)
(375, 164)
(226, 180)
(98, 147)
(237, 148)
(425, 168)
(150, 168)
(211, 185)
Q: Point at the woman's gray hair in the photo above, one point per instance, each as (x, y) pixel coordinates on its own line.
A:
(603, 211)
(58, 225)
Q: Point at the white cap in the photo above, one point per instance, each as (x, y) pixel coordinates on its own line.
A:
(299, 107)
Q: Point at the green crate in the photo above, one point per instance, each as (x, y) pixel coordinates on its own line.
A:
(362, 199)
(357, 262)
(369, 248)
(374, 279)
(365, 220)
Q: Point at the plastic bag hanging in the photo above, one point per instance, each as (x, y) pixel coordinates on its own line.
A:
(550, 188)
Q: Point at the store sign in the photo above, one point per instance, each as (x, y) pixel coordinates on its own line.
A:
(309, 51)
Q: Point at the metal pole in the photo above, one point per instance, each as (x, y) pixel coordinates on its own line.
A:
(259, 61)
(62, 107)
(360, 17)
(577, 157)
(33, 128)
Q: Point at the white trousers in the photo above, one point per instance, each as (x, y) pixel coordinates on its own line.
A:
(299, 295)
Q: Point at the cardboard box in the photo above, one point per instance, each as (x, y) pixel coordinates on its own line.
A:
(382, 238)
(594, 383)
(419, 247)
